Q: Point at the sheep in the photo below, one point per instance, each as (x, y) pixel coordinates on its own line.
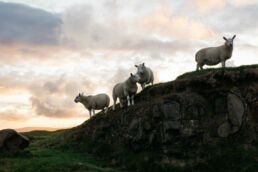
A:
(214, 55)
(145, 74)
(126, 90)
(97, 102)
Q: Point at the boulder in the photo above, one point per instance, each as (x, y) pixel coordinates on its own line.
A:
(11, 141)
(236, 111)
(224, 129)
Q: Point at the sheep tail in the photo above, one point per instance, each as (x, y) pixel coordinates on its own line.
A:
(196, 57)
(108, 101)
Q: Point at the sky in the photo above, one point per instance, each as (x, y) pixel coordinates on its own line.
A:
(50, 50)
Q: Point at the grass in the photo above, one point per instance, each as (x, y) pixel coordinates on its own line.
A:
(200, 72)
(51, 160)
(40, 156)
(228, 155)
(56, 151)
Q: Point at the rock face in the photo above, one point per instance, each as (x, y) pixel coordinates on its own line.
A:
(11, 141)
(178, 116)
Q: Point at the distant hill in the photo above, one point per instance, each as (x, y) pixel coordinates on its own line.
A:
(27, 129)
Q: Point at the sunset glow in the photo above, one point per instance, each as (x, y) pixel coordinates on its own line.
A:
(50, 50)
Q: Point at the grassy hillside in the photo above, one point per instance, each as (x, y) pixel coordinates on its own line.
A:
(54, 151)
(42, 156)
(65, 150)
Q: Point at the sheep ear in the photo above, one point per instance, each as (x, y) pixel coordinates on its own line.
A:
(143, 64)
(131, 74)
(234, 37)
(225, 38)
(136, 65)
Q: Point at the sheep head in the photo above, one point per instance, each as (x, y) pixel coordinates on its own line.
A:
(229, 41)
(135, 77)
(78, 98)
(140, 68)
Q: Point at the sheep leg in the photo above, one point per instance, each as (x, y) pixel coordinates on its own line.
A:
(128, 100)
(197, 67)
(93, 112)
(132, 99)
(106, 109)
(143, 85)
(223, 63)
(121, 105)
(114, 105)
(90, 113)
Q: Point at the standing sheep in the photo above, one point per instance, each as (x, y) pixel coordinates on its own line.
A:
(97, 102)
(145, 74)
(214, 55)
(126, 90)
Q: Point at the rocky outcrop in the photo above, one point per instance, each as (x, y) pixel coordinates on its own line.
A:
(181, 115)
(11, 141)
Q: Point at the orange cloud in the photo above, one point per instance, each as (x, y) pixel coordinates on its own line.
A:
(13, 115)
(51, 97)
(17, 52)
(205, 6)
(163, 23)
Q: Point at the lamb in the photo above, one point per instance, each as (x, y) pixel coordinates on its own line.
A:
(145, 74)
(214, 55)
(97, 102)
(126, 90)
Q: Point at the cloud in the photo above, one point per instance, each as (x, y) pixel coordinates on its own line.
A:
(114, 40)
(122, 74)
(90, 48)
(204, 6)
(243, 2)
(13, 115)
(59, 85)
(50, 97)
(28, 33)
(54, 107)
(23, 24)
(11, 81)
(84, 28)
(55, 97)
(235, 19)
(164, 23)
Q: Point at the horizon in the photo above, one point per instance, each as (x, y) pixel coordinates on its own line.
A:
(52, 50)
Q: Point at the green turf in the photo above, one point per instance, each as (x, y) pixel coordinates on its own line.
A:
(200, 72)
(40, 156)
(229, 155)
(56, 151)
